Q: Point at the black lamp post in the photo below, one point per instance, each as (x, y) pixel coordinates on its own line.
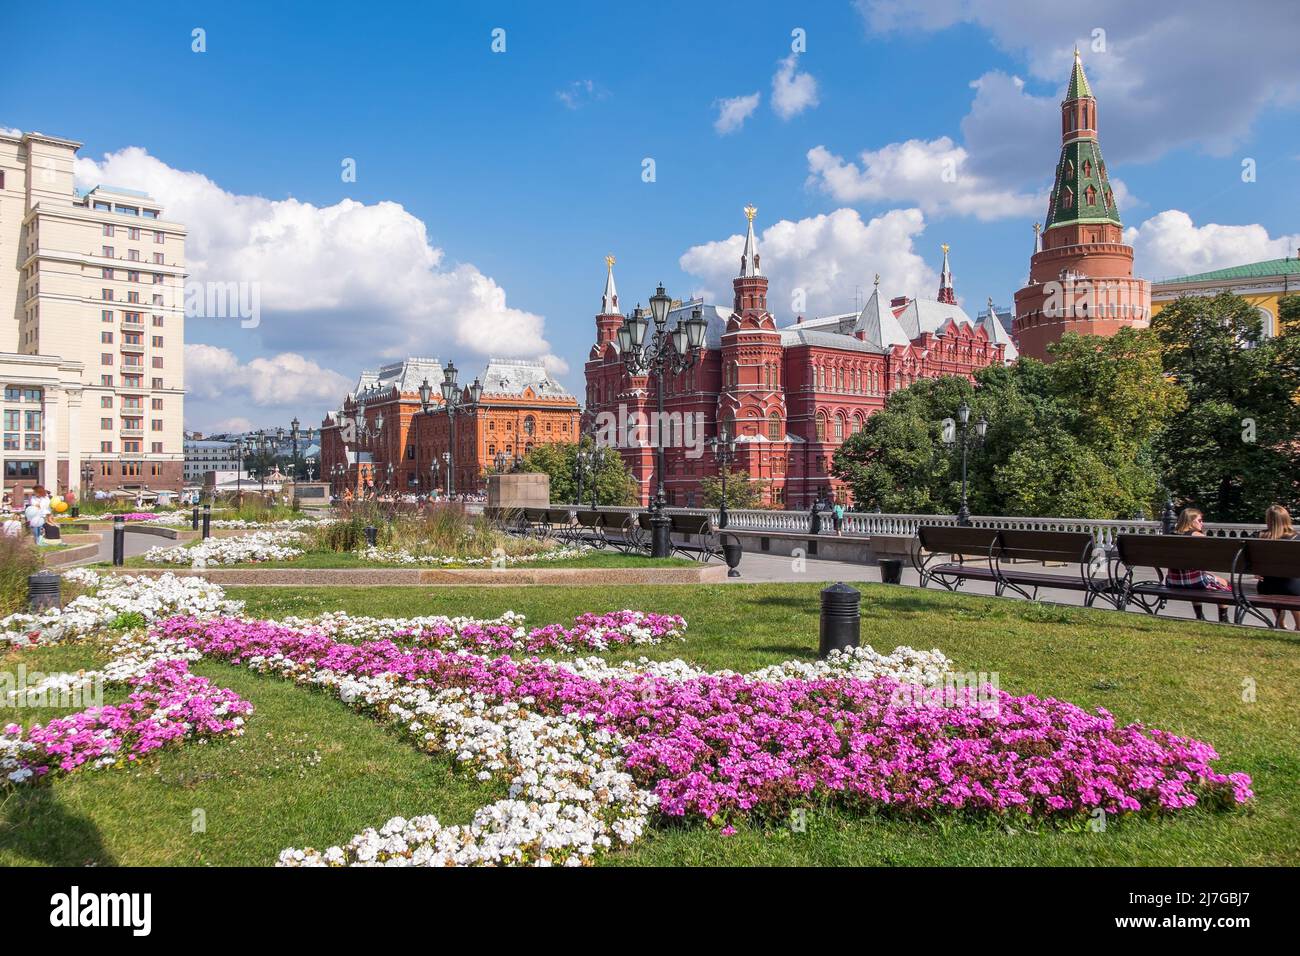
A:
(967, 442)
(580, 459)
(293, 435)
(724, 452)
(454, 401)
(239, 474)
(446, 467)
(261, 459)
(666, 353)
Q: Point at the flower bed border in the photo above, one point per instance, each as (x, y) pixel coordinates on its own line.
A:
(437, 577)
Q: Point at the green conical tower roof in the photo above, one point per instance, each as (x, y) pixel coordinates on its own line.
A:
(1081, 192)
(1079, 87)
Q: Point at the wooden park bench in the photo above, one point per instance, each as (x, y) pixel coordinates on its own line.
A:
(1089, 568)
(561, 525)
(1267, 558)
(693, 536)
(937, 542)
(1160, 552)
(535, 520)
(591, 529)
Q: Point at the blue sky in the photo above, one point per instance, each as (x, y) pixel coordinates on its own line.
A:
(524, 168)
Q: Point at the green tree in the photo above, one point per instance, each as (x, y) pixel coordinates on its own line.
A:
(742, 491)
(614, 484)
(1070, 438)
(1234, 451)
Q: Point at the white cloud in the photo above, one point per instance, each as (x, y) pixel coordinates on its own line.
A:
(579, 93)
(228, 425)
(831, 257)
(1171, 244)
(733, 111)
(1232, 63)
(792, 92)
(350, 279)
(214, 374)
(934, 175)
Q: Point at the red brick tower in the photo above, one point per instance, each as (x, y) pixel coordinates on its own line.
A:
(752, 402)
(1081, 279)
(946, 293)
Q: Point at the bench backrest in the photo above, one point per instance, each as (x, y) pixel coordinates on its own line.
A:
(643, 518)
(535, 515)
(949, 539)
(591, 519)
(558, 516)
(1073, 547)
(1272, 558)
(691, 524)
(1181, 552)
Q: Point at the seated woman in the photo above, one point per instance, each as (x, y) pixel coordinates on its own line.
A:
(1192, 523)
(1278, 527)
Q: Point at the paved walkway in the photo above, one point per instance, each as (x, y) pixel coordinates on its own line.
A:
(757, 567)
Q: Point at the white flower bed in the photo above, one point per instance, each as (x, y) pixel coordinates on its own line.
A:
(499, 560)
(183, 519)
(258, 546)
(116, 595)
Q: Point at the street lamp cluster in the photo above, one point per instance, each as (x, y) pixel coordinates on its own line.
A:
(724, 452)
(665, 353)
(454, 403)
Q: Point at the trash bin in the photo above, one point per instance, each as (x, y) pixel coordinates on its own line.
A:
(891, 571)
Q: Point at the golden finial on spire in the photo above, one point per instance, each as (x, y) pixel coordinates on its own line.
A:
(750, 212)
(609, 262)
(1076, 51)
(877, 282)
(944, 247)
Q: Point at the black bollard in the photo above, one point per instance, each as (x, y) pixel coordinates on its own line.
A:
(207, 521)
(841, 621)
(43, 591)
(119, 542)
(76, 511)
(194, 519)
(371, 535)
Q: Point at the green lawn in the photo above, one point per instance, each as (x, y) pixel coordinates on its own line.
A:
(310, 771)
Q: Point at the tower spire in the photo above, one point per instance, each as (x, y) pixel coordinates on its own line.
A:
(749, 258)
(609, 301)
(946, 293)
(1079, 87)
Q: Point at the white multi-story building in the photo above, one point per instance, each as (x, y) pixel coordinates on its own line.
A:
(92, 354)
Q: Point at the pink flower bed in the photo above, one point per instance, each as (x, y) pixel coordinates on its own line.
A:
(168, 704)
(590, 631)
(728, 745)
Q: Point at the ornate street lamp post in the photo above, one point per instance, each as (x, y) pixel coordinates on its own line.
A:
(446, 467)
(724, 452)
(967, 442)
(666, 353)
(239, 474)
(454, 401)
(293, 434)
(261, 455)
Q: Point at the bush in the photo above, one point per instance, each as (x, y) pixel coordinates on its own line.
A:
(18, 559)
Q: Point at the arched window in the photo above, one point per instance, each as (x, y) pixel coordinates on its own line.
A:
(821, 427)
(839, 426)
(857, 423)
(774, 427)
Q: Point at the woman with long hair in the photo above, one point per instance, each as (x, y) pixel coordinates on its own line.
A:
(1191, 523)
(1279, 527)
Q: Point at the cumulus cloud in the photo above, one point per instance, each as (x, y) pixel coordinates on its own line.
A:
(935, 175)
(733, 111)
(1142, 64)
(832, 258)
(792, 91)
(350, 279)
(288, 379)
(1171, 244)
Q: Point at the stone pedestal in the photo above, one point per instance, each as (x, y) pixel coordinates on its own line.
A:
(308, 495)
(519, 490)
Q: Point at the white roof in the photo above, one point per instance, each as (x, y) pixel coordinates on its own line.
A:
(878, 326)
(512, 376)
(927, 315)
(405, 376)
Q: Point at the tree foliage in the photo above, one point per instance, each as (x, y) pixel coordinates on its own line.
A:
(742, 491)
(1074, 437)
(1236, 450)
(614, 484)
